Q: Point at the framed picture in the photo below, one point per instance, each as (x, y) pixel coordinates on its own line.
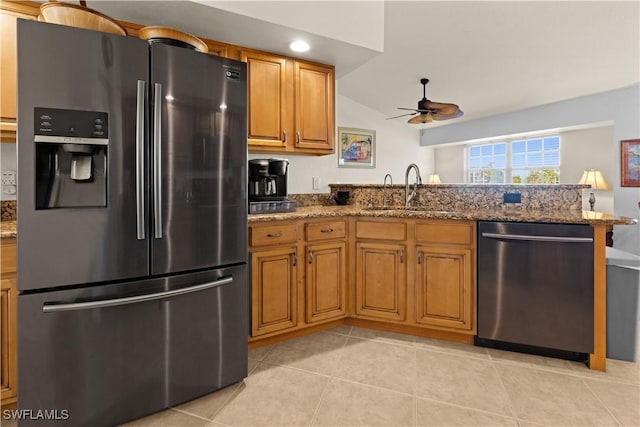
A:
(630, 158)
(356, 148)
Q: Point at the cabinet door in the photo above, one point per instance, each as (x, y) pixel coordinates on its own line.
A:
(326, 281)
(381, 281)
(270, 100)
(314, 106)
(273, 290)
(443, 287)
(8, 339)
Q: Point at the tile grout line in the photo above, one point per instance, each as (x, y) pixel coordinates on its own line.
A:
(601, 402)
(330, 377)
(514, 413)
(484, 411)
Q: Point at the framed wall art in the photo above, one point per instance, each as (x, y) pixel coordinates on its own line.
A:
(630, 158)
(356, 148)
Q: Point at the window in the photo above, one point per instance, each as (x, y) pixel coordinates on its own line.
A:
(521, 161)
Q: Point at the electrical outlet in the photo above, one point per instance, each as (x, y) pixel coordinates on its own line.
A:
(512, 198)
(9, 178)
(316, 183)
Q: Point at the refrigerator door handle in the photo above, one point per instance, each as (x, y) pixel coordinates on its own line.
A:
(57, 307)
(140, 225)
(157, 161)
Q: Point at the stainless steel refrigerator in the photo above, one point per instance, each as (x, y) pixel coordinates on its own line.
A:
(132, 225)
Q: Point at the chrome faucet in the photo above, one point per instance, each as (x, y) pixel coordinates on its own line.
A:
(410, 197)
(385, 196)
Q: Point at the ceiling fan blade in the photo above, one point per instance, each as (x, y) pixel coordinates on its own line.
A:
(422, 118)
(440, 107)
(418, 110)
(439, 116)
(401, 115)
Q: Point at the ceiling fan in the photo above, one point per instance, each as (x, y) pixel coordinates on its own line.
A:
(430, 111)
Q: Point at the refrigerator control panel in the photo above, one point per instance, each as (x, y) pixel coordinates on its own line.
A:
(70, 123)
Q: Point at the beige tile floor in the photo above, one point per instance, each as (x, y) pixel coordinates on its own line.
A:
(351, 376)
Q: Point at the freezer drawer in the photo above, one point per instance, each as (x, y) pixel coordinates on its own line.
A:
(112, 353)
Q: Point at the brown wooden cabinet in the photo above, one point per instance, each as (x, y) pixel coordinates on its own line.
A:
(8, 322)
(444, 279)
(381, 269)
(274, 296)
(326, 270)
(274, 277)
(270, 100)
(314, 106)
(381, 285)
(8, 66)
(291, 104)
(443, 287)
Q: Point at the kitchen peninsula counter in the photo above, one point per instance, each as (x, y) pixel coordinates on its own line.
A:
(511, 214)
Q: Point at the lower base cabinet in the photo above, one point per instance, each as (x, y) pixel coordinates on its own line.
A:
(381, 285)
(298, 275)
(443, 287)
(8, 323)
(404, 274)
(274, 296)
(326, 281)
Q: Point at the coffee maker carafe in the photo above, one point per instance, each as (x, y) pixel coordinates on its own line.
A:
(268, 186)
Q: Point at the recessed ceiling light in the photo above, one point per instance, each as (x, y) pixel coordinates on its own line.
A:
(299, 46)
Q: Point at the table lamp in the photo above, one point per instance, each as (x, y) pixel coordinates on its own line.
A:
(434, 179)
(595, 179)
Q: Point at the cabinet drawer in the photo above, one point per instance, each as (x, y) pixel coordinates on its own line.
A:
(273, 234)
(445, 232)
(381, 230)
(325, 230)
(8, 258)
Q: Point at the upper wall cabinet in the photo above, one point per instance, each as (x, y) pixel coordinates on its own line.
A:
(8, 71)
(291, 104)
(314, 106)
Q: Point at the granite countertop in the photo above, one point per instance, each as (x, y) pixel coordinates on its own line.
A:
(8, 229)
(512, 214)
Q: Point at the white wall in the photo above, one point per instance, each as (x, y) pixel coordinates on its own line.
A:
(589, 149)
(397, 145)
(449, 163)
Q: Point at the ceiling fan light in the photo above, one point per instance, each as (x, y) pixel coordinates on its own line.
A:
(421, 119)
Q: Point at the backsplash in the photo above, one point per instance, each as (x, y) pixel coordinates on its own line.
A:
(466, 196)
(9, 211)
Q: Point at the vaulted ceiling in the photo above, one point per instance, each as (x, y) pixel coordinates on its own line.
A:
(487, 57)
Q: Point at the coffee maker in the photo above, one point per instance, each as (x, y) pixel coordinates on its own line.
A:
(268, 186)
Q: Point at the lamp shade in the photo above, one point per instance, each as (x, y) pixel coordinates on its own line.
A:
(434, 179)
(595, 179)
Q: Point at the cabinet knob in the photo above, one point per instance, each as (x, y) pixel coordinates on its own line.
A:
(295, 259)
(298, 137)
(284, 136)
(310, 257)
(419, 257)
(327, 230)
(401, 253)
(278, 234)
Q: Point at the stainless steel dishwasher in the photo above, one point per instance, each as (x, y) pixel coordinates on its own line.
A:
(535, 285)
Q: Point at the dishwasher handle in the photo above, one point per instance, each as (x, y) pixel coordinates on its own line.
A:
(56, 307)
(532, 238)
